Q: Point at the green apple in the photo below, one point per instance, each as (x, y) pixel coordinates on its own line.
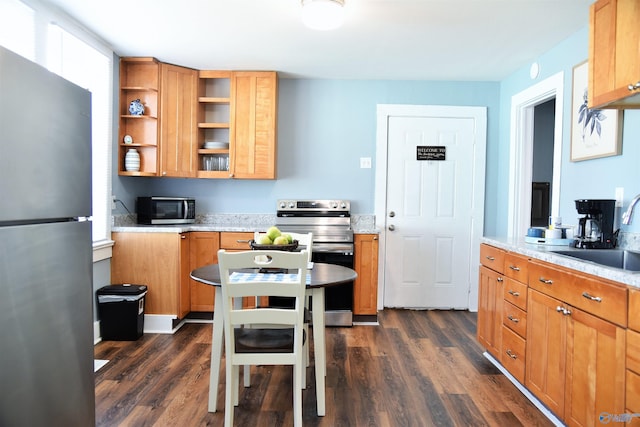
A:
(281, 240)
(263, 239)
(273, 232)
(288, 236)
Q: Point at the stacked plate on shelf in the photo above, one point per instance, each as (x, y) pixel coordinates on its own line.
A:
(216, 144)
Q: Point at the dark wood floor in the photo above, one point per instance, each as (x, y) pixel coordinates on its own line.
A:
(417, 368)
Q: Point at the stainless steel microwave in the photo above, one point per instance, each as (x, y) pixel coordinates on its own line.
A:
(165, 210)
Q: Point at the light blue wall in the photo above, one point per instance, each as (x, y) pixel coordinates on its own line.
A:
(324, 127)
(590, 179)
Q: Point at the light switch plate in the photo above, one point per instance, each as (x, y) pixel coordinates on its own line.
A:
(365, 162)
(619, 197)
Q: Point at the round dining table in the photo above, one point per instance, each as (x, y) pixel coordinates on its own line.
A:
(320, 276)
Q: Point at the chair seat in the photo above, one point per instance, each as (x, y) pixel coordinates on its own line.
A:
(265, 340)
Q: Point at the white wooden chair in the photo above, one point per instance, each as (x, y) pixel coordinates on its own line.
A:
(246, 345)
(306, 240)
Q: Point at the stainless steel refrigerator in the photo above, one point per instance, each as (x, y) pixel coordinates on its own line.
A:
(46, 291)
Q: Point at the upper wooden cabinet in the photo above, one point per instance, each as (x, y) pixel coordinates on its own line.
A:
(178, 136)
(185, 108)
(614, 54)
(139, 79)
(238, 107)
(253, 125)
(164, 136)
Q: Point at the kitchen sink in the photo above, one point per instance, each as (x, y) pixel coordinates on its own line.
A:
(616, 258)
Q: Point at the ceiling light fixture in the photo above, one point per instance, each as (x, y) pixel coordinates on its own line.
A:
(323, 14)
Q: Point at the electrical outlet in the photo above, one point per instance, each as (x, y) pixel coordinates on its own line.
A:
(113, 202)
(365, 162)
(619, 197)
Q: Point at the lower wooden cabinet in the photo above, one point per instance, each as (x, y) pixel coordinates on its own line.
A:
(513, 353)
(633, 358)
(490, 301)
(161, 262)
(203, 251)
(573, 361)
(365, 287)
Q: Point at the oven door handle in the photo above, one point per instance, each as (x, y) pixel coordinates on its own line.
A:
(332, 250)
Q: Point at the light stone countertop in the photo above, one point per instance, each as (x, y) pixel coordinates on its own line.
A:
(545, 253)
(361, 224)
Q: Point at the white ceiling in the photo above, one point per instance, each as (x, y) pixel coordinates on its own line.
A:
(472, 40)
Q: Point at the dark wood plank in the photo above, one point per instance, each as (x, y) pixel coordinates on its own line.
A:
(416, 368)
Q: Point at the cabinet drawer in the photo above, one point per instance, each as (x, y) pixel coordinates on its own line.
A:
(516, 267)
(492, 257)
(633, 351)
(515, 319)
(593, 295)
(515, 293)
(513, 351)
(235, 241)
(633, 393)
(634, 309)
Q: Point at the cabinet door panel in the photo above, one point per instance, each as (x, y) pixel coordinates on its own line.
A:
(365, 290)
(150, 259)
(546, 351)
(204, 250)
(489, 329)
(595, 369)
(254, 121)
(178, 137)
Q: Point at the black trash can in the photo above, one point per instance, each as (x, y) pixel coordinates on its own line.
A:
(121, 312)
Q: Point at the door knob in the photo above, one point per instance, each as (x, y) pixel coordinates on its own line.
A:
(392, 227)
(392, 214)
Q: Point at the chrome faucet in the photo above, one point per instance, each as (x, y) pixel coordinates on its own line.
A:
(626, 216)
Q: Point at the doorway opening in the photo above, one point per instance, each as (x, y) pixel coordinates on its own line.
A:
(521, 161)
(542, 175)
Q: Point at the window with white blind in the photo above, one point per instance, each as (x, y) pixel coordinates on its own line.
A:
(55, 42)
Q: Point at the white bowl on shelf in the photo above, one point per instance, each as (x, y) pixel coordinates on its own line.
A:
(216, 144)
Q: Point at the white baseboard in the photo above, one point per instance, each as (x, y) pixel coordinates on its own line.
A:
(96, 332)
(160, 324)
(547, 413)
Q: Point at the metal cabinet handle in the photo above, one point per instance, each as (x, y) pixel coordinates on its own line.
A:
(514, 268)
(633, 87)
(513, 319)
(546, 281)
(500, 279)
(591, 297)
(511, 355)
(563, 310)
(490, 258)
(242, 241)
(514, 293)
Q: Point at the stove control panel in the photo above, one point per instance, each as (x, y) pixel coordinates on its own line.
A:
(314, 205)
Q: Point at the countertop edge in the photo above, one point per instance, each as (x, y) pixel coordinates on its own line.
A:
(545, 253)
(186, 228)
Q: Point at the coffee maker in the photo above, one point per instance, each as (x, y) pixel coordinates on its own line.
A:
(595, 228)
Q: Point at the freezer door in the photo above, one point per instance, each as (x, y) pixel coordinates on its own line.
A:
(46, 361)
(45, 143)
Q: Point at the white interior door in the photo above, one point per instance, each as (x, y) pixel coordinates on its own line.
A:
(434, 208)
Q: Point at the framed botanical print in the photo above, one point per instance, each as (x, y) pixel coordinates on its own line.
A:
(594, 133)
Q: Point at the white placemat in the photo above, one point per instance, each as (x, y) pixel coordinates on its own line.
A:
(265, 277)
